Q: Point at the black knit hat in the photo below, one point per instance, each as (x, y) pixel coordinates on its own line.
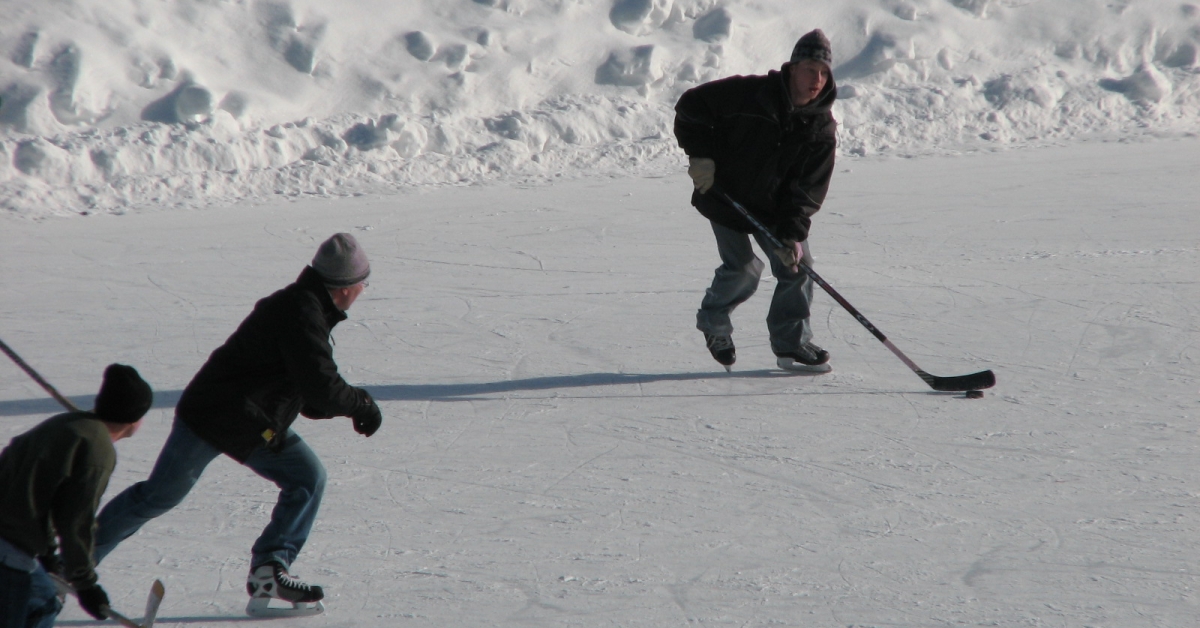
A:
(124, 396)
(813, 45)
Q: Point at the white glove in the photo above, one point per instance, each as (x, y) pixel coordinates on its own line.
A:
(791, 254)
(703, 172)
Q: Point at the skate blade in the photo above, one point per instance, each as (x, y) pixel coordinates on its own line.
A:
(788, 364)
(261, 607)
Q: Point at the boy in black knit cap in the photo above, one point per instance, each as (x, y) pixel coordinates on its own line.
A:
(51, 480)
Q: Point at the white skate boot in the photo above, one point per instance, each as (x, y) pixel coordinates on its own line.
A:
(273, 582)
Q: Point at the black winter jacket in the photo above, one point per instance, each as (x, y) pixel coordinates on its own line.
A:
(279, 360)
(773, 158)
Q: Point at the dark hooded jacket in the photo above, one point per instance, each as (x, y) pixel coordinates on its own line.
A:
(278, 361)
(775, 159)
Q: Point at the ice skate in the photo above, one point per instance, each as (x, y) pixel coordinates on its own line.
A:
(273, 582)
(808, 358)
(722, 350)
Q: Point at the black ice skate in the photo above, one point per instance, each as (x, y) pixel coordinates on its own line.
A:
(273, 582)
(722, 350)
(808, 358)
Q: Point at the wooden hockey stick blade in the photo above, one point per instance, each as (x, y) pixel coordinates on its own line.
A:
(157, 591)
(119, 618)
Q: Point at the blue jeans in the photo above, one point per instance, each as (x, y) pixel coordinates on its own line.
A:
(27, 600)
(736, 280)
(295, 469)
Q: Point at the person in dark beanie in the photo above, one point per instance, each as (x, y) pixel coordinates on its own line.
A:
(768, 142)
(51, 480)
(277, 365)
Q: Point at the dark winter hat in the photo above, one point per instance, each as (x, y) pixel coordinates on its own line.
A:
(341, 262)
(124, 396)
(813, 45)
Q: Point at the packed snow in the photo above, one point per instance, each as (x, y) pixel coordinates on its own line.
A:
(126, 104)
(1015, 191)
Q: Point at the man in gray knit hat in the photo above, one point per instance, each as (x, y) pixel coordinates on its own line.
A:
(277, 365)
(768, 142)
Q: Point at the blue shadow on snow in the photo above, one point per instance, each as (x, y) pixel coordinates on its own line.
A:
(434, 392)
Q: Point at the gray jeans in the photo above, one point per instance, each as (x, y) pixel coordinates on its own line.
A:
(736, 279)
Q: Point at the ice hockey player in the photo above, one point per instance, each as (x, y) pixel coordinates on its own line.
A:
(768, 142)
(276, 365)
(51, 481)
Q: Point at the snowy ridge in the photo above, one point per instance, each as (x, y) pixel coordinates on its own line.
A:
(122, 105)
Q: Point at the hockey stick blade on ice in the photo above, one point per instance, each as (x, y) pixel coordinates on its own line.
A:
(66, 403)
(153, 600)
(957, 383)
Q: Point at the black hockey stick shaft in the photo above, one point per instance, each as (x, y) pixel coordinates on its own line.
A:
(66, 403)
(974, 381)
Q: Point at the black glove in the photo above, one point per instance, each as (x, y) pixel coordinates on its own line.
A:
(91, 599)
(53, 564)
(367, 418)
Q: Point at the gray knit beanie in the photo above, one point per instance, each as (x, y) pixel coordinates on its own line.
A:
(124, 396)
(814, 45)
(341, 262)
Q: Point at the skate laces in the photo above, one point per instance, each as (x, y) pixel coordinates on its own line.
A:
(720, 343)
(808, 353)
(286, 580)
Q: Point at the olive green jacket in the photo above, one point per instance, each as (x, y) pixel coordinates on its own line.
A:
(51, 481)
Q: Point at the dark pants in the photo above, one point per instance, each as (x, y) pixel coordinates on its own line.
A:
(736, 280)
(295, 469)
(27, 600)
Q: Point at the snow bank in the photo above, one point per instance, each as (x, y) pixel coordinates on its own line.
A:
(181, 103)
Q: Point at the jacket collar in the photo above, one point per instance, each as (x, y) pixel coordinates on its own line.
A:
(311, 281)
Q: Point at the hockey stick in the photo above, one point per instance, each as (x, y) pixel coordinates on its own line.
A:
(153, 600)
(66, 403)
(957, 383)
